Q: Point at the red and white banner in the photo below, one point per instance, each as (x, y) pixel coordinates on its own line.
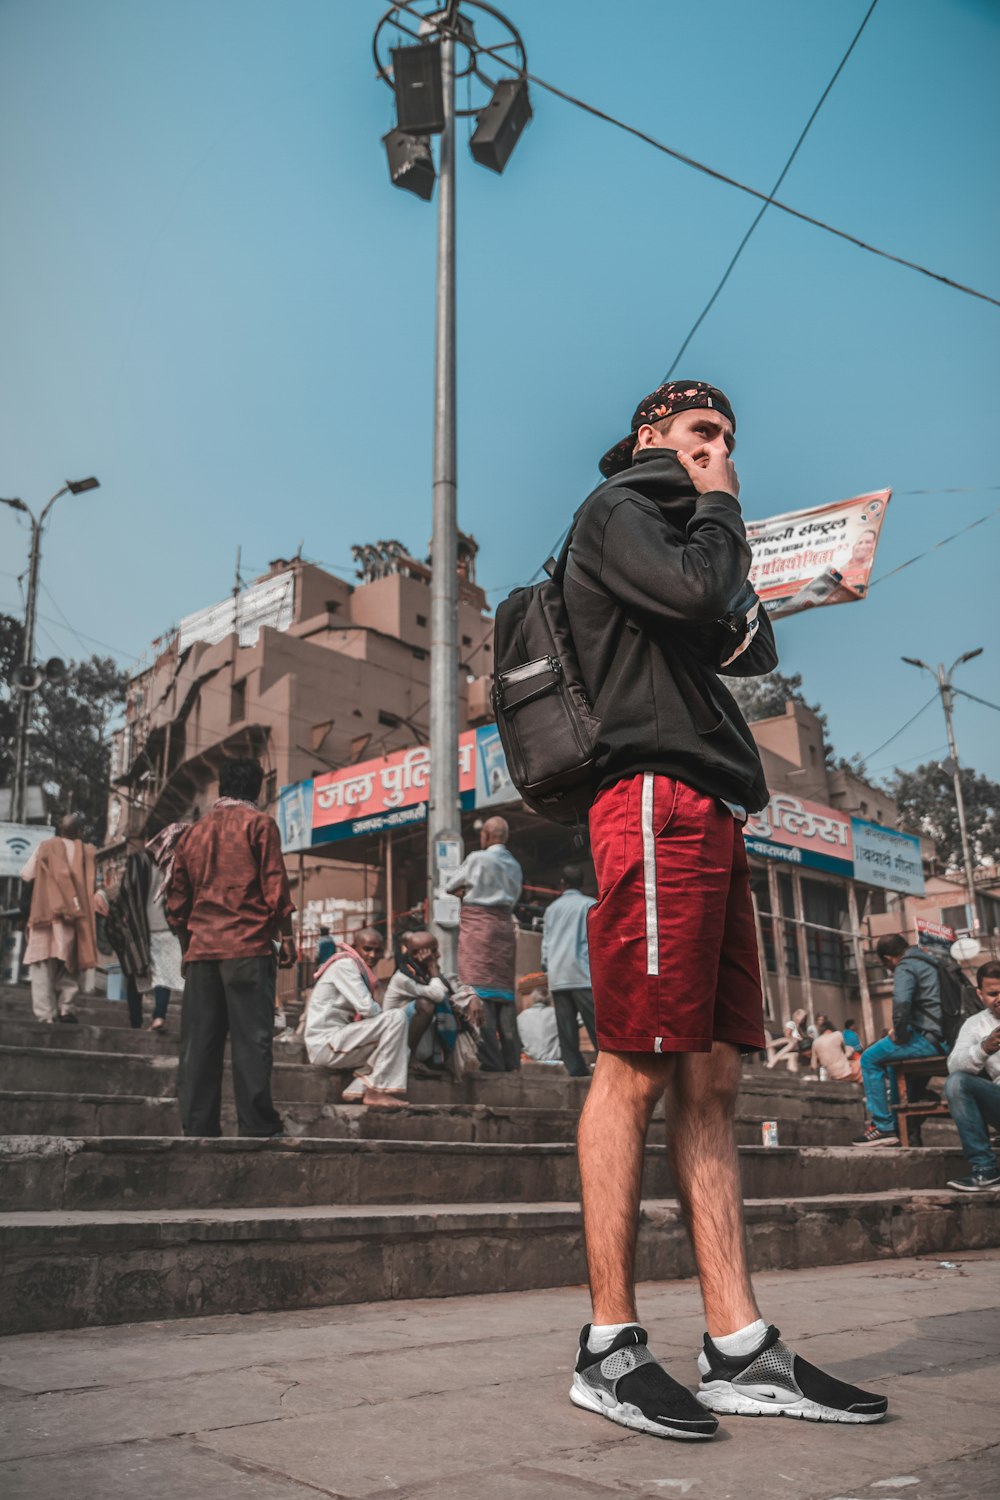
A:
(820, 556)
(391, 782)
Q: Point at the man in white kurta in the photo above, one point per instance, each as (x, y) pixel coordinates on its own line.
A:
(347, 1029)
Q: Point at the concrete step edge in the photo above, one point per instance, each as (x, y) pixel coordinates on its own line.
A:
(18, 1146)
(348, 1220)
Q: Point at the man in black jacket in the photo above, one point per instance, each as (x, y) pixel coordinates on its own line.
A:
(658, 602)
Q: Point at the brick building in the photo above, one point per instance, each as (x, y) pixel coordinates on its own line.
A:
(307, 672)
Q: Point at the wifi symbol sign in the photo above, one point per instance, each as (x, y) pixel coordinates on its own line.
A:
(18, 844)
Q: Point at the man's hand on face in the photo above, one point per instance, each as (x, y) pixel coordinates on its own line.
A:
(991, 1043)
(710, 469)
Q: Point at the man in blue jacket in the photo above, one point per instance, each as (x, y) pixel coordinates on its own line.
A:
(916, 1032)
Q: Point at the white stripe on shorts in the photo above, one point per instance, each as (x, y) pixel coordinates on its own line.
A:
(649, 876)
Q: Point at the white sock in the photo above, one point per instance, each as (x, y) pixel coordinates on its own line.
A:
(603, 1335)
(743, 1341)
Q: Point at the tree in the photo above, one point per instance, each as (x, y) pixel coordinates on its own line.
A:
(69, 753)
(926, 800)
(765, 697)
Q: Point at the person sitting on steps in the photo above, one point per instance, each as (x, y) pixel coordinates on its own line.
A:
(347, 1029)
(973, 1087)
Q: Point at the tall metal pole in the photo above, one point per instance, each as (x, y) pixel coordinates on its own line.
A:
(19, 783)
(948, 700)
(442, 812)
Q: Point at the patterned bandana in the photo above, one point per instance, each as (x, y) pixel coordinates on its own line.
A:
(665, 401)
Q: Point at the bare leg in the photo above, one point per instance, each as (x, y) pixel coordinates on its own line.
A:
(612, 1135)
(702, 1144)
(781, 1052)
(423, 1015)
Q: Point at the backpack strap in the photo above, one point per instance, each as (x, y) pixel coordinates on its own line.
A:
(555, 565)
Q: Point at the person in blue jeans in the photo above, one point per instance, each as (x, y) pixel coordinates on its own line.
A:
(916, 1032)
(973, 1087)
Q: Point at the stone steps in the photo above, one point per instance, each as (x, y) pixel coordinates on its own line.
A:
(15, 1005)
(48, 1173)
(86, 1038)
(112, 1216)
(38, 1112)
(68, 1270)
(73, 1069)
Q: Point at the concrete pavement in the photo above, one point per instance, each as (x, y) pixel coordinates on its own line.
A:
(465, 1399)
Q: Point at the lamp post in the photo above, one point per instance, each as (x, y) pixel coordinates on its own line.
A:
(943, 680)
(20, 777)
(423, 79)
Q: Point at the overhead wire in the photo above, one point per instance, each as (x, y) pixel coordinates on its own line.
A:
(984, 701)
(912, 720)
(718, 176)
(927, 552)
(764, 206)
(972, 489)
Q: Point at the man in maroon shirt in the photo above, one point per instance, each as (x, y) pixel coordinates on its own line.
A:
(228, 900)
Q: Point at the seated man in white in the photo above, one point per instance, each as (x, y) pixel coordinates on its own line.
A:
(418, 989)
(538, 1028)
(347, 1029)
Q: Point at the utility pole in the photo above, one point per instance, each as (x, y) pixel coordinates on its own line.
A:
(442, 810)
(943, 680)
(421, 84)
(29, 679)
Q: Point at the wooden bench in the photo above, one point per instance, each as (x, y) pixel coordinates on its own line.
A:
(921, 1068)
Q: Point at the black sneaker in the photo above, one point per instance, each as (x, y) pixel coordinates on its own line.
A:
(976, 1182)
(774, 1382)
(627, 1385)
(68, 1018)
(872, 1136)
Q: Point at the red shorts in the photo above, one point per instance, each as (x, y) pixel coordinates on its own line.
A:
(673, 947)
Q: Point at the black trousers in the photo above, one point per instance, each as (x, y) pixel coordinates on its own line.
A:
(499, 1043)
(161, 999)
(234, 997)
(568, 1005)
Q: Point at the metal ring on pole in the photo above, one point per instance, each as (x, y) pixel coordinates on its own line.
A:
(438, 23)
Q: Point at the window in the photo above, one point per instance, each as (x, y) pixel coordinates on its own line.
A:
(422, 620)
(467, 640)
(238, 701)
(954, 916)
(826, 905)
(788, 928)
(863, 809)
(418, 653)
(759, 885)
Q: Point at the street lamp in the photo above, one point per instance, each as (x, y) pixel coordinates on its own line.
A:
(19, 781)
(943, 680)
(423, 80)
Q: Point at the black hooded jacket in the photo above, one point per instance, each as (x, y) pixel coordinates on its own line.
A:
(653, 567)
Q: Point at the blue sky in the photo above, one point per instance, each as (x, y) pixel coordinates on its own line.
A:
(212, 297)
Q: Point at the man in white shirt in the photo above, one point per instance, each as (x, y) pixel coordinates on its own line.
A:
(347, 1029)
(566, 961)
(489, 883)
(418, 990)
(973, 1087)
(538, 1030)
